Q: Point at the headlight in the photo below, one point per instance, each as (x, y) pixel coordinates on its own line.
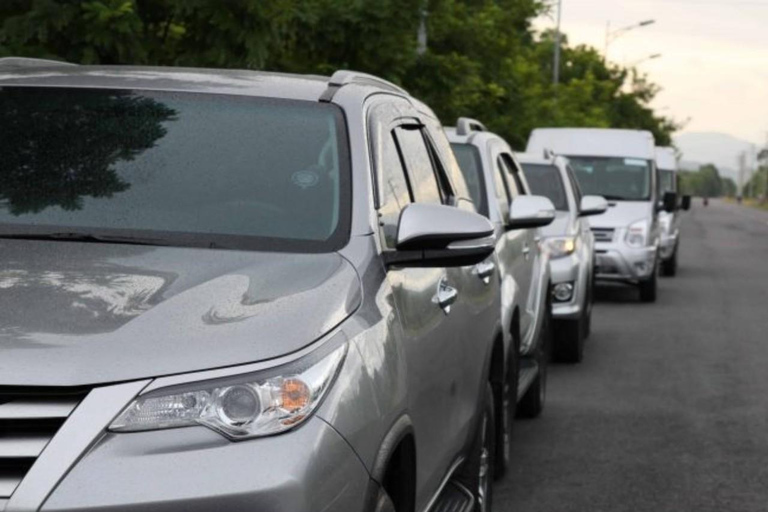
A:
(239, 408)
(559, 247)
(637, 234)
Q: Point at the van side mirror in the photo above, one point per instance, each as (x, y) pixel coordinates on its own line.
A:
(670, 202)
(436, 235)
(530, 212)
(686, 204)
(592, 205)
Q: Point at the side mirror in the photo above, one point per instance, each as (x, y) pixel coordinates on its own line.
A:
(592, 205)
(530, 212)
(435, 235)
(686, 204)
(670, 202)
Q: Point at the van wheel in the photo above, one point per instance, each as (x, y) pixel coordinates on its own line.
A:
(477, 473)
(648, 288)
(669, 267)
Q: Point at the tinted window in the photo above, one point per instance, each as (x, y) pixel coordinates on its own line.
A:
(187, 169)
(617, 179)
(418, 164)
(394, 194)
(667, 181)
(471, 166)
(545, 180)
(515, 188)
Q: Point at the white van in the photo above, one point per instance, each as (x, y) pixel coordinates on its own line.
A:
(669, 181)
(619, 165)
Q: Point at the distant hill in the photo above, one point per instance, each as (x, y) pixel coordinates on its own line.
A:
(720, 149)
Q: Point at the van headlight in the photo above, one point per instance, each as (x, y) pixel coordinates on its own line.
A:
(561, 246)
(242, 407)
(637, 234)
(665, 222)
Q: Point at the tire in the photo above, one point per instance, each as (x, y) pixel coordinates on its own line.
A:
(589, 304)
(669, 267)
(384, 503)
(506, 408)
(569, 340)
(532, 403)
(648, 288)
(477, 473)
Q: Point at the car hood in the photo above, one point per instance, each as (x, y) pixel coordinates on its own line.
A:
(559, 227)
(76, 314)
(622, 213)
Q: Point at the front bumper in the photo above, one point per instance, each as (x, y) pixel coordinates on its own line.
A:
(569, 270)
(619, 262)
(195, 470)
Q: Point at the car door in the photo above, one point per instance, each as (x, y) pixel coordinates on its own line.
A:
(526, 244)
(430, 330)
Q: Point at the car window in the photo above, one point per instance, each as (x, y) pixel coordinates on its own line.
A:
(516, 172)
(514, 187)
(418, 165)
(468, 157)
(177, 168)
(577, 195)
(394, 195)
(546, 180)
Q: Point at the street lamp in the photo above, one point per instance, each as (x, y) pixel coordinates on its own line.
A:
(645, 59)
(612, 35)
(558, 39)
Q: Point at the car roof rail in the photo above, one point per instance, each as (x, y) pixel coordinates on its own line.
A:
(466, 125)
(549, 154)
(28, 62)
(344, 77)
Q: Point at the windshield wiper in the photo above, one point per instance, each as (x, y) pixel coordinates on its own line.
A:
(82, 237)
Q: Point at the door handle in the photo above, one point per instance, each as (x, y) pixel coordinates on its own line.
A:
(484, 271)
(526, 250)
(446, 296)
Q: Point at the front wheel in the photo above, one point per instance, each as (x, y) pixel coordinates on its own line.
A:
(669, 267)
(477, 473)
(384, 503)
(648, 288)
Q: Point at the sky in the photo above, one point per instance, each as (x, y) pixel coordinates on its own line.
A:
(714, 63)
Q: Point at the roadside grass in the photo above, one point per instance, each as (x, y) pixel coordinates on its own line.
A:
(752, 203)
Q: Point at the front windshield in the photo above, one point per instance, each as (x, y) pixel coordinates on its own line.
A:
(545, 180)
(179, 168)
(616, 179)
(468, 158)
(667, 179)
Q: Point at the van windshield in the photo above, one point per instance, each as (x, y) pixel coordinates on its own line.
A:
(616, 179)
(177, 169)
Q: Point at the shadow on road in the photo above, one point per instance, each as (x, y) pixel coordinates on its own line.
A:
(617, 293)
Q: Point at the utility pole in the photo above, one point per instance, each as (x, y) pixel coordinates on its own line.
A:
(558, 41)
(421, 45)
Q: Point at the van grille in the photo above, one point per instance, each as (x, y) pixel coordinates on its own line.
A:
(603, 235)
(29, 418)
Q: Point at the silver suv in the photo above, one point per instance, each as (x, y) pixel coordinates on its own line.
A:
(499, 188)
(571, 247)
(231, 290)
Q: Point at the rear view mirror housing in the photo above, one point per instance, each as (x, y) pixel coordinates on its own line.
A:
(435, 235)
(669, 202)
(527, 212)
(686, 203)
(592, 205)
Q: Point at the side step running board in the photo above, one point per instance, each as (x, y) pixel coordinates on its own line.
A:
(529, 370)
(454, 498)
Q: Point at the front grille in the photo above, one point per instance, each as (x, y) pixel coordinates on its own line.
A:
(603, 235)
(29, 418)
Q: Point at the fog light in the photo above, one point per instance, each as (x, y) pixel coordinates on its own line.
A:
(642, 268)
(563, 292)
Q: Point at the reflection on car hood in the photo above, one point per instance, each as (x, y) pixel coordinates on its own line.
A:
(80, 314)
(622, 213)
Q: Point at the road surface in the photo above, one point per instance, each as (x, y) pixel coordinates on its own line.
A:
(669, 411)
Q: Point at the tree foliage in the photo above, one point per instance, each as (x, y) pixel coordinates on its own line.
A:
(706, 182)
(483, 58)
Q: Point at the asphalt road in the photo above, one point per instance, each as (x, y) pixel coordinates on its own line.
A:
(669, 411)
